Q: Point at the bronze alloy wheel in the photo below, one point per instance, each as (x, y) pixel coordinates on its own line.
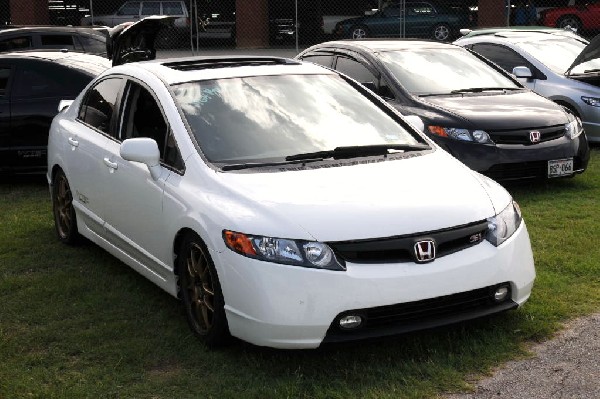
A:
(201, 292)
(64, 213)
(200, 288)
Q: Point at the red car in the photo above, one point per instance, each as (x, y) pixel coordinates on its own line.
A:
(579, 17)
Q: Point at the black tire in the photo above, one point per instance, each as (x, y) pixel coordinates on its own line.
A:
(65, 219)
(441, 33)
(201, 293)
(359, 32)
(569, 20)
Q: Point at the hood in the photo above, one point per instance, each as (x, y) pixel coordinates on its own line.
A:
(132, 42)
(361, 201)
(509, 111)
(590, 52)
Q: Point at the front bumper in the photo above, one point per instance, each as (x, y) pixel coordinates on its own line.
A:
(283, 306)
(518, 161)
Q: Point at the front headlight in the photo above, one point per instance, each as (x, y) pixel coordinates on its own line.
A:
(282, 250)
(574, 128)
(475, 136)
(593, 101)
(504, 224)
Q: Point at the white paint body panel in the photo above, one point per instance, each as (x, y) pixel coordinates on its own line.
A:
(137, 218)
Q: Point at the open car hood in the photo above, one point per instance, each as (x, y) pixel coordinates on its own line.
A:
(590, 52)
(131, 42)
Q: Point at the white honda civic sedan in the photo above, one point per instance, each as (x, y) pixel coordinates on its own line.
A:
(283, 203)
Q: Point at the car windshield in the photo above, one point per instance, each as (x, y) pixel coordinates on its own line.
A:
(559, 54)
(442, 71)
(264, 118)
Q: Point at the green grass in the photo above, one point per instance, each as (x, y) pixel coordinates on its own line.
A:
(75, 322)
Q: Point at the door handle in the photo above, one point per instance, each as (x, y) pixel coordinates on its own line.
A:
(112, 165)
(73, 142)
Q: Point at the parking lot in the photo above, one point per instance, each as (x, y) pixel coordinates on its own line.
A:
(351, 211)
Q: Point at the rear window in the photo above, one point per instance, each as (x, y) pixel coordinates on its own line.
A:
(172, 8)
(92, 44)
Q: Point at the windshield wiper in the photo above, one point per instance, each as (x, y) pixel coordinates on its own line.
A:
(357, 151)
(250, 165)
(592, 70)
(480, 89)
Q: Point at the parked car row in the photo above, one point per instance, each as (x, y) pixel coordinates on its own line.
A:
(290, 204)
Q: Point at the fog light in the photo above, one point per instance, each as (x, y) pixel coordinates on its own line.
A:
(350, 321)
(501, 293)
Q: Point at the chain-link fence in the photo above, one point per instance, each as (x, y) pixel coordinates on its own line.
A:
(276, 23)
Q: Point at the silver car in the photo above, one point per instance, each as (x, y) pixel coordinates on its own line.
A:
(554, 63)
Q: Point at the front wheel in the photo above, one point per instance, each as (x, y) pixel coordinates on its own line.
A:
(441, 32)
(569, 21)
(359, 32)
(65, 220)
(201, 292)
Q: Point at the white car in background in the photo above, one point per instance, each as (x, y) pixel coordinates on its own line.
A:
(555, 63)
(283, 203)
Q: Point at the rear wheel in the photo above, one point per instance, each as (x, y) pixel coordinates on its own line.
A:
(569, 20)
(65, 220)
(201, 292)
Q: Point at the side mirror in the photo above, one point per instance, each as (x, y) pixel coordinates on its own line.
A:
(143, 150)
(465, 32)
(416, 121)
(64, 104)
(522, 72)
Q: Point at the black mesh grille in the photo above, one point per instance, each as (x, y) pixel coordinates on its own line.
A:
(522, 136)
(418, 315)
(401, 248)
(518, 170)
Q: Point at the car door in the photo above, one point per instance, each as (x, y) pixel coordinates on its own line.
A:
(7, 157)
(420, 18)
(37, 88)
(134, 217)
(388, 23)
(87, 137)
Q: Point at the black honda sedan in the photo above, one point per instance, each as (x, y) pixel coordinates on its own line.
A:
(469, 106)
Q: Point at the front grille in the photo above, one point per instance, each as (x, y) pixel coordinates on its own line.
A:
(522, 136)
(525, 170)
(518, 170)
(418, 315)
(401, 248)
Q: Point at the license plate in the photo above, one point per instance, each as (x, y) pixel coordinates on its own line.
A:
(560, 167)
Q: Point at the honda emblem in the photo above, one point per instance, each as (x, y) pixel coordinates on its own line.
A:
(535, 136)
(424, 251)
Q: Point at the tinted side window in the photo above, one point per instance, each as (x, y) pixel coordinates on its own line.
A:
(130, 8)
(393, 11)
(92, 45)
(172, 8)
(99, 104)
(15, 43)
(57, 41)
(151, 8)
(355, 70)
(325, 60)
(506, 58)
(143, 117)
(39, 79)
